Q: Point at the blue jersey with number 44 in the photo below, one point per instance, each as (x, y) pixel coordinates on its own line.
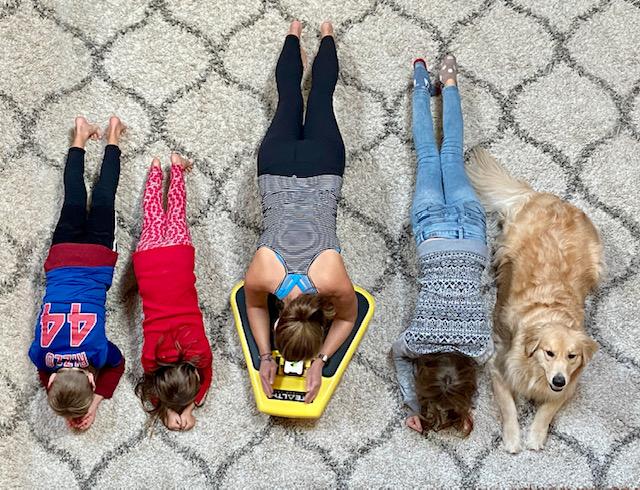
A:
(70, 330)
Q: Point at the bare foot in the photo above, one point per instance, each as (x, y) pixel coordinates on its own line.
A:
(326, 29)
(156, 163)
(114, 131)
(186, 165)
(83, 131)
(296, 28)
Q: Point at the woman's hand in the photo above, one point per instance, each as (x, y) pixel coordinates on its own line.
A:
(187, 419)
(314, 380)
(172, 420)
(413, 422)
(267, 373)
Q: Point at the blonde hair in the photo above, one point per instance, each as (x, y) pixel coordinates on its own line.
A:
(70, 394)
(302, 327)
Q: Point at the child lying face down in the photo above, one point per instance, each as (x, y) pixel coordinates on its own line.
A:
(438, 389)
(176, 355)
(77, 364)
(437, 356)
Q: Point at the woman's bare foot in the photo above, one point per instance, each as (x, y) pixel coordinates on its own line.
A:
(114, 130)
(83, 131)
(186, 165)
(155, 163)
(296, 29)
(326, 29)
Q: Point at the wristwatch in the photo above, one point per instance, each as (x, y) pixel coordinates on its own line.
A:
(323, 357)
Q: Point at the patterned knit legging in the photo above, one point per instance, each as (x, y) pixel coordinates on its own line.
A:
(160, 228)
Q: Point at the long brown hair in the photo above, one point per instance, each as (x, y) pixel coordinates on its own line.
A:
(70, 395)
(446, 385)
(302, 326)
(170, 387)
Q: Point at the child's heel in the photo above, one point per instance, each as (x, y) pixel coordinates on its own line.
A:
(421, 78)
(419, 60)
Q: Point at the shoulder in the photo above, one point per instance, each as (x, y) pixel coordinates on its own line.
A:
(329, 274)
(400, 348)
(200, 347)
(264, 273)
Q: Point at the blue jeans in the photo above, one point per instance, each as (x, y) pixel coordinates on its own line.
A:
(444, 204)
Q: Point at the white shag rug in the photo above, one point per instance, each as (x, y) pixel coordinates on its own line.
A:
(551, 87)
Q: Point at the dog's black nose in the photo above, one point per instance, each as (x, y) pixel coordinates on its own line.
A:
(558, 381)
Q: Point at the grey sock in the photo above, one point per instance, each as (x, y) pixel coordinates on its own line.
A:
(448, 69)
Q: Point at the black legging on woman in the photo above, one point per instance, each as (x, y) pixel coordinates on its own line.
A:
(97, 227)
(315, 148)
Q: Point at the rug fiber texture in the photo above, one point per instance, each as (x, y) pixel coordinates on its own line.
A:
(551, 87)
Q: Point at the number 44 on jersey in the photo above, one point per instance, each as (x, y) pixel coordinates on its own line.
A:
(80, 324)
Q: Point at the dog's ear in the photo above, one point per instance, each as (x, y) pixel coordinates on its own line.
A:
(589, 348)
(531, 343)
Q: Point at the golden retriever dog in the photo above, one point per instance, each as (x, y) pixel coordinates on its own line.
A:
(548, 259)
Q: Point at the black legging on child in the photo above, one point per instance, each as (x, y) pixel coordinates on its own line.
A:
(315, 148)
(98, 227)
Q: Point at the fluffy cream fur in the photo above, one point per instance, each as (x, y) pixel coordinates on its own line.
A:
(548, 259)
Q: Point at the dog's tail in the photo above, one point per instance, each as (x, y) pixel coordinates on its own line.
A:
(497, 190)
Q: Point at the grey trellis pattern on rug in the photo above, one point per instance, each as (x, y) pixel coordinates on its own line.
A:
(551, 87)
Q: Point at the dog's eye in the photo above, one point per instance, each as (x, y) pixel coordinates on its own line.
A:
(572, 356)
(549, 353)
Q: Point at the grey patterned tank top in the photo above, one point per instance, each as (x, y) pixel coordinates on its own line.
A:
(452, 312)
(299, 222)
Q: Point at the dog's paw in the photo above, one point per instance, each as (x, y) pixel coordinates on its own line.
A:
(536, 439)
(511, 441)
(513, 447)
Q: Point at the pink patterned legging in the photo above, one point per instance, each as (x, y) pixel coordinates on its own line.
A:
(160, 229)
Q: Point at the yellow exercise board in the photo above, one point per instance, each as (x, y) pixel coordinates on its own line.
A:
(289, 388)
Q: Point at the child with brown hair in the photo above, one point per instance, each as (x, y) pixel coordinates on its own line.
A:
(77, 364)
(449, 336)
(176, 355)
